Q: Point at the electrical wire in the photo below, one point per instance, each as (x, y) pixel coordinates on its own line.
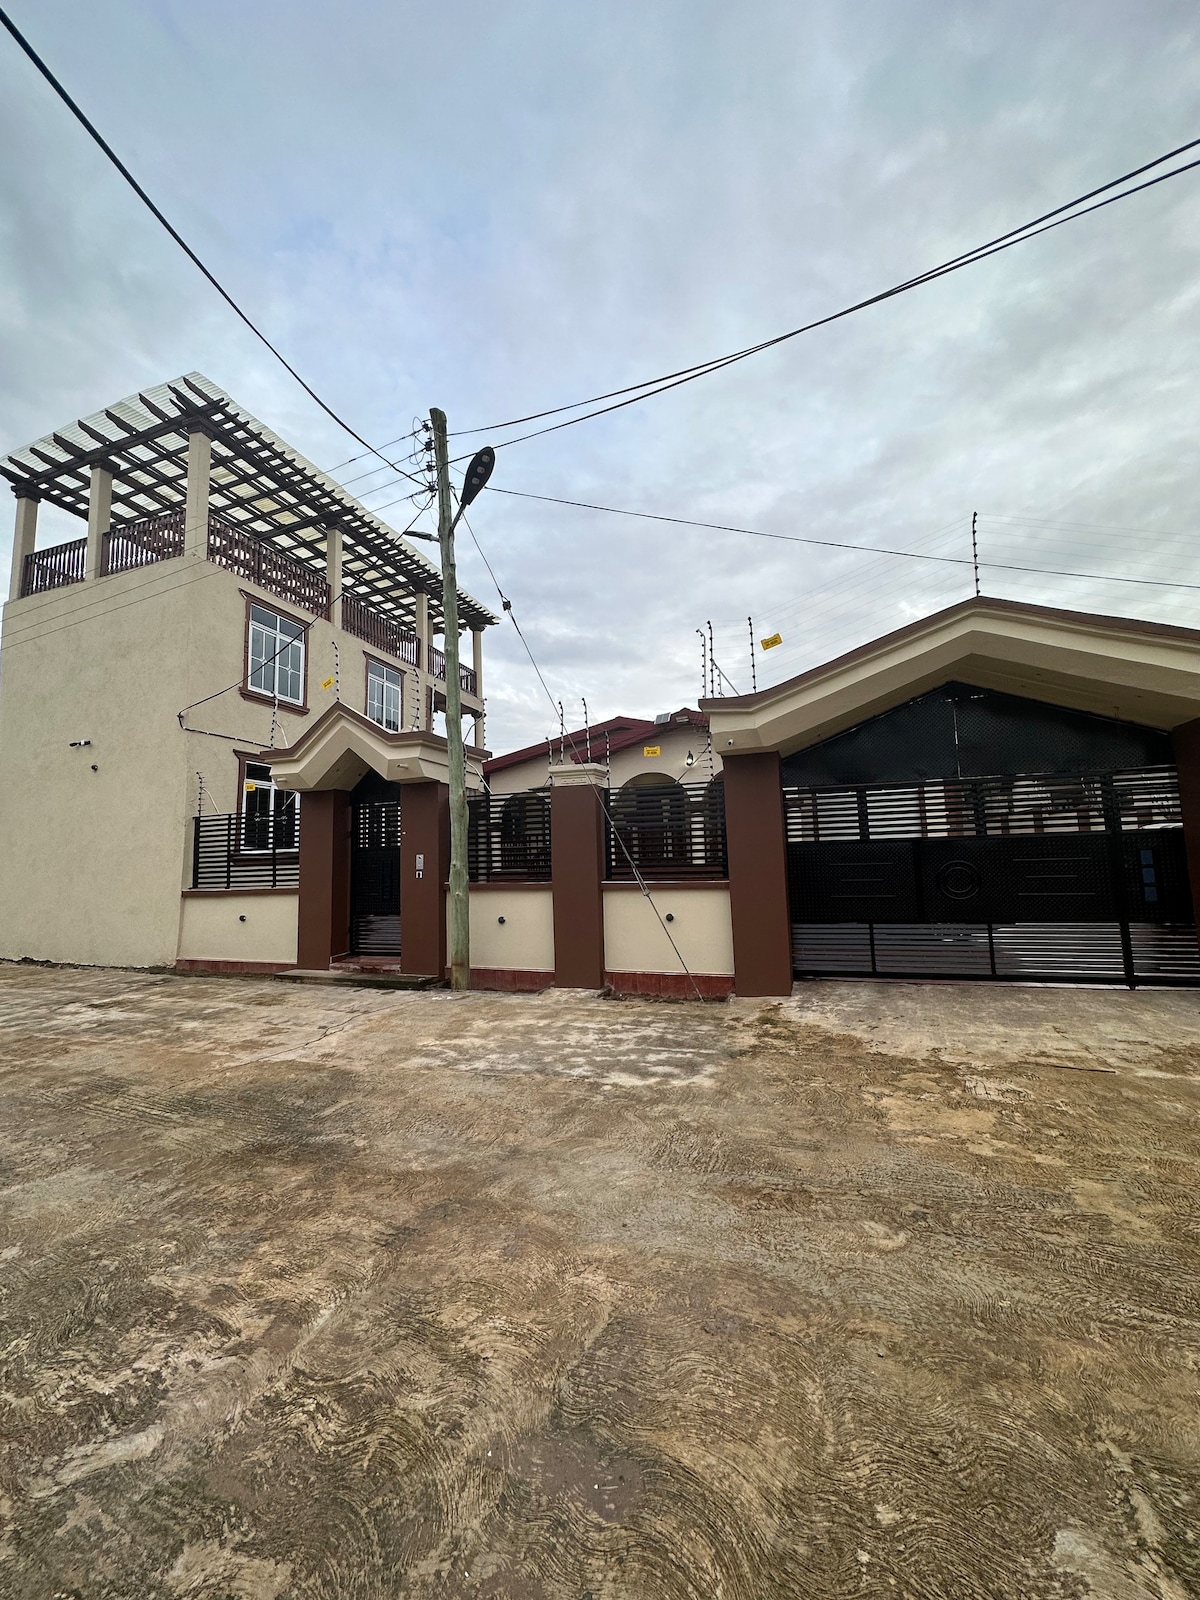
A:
(90, 127)
(1005, 241)
(570, 738)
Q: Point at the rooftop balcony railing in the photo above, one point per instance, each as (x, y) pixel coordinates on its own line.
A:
(138, 544)
(238, 551)
(437, 665)
(51, 569)
(376, 628)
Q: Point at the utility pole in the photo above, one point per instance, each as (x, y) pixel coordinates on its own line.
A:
(460, 924)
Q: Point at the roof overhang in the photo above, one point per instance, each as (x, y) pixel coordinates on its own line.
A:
(341, 747)
(1142, 672)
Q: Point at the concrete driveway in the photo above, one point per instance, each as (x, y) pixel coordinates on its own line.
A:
(887, 1290)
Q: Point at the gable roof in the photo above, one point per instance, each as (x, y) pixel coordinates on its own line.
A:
(1144, 672)
(617, 733)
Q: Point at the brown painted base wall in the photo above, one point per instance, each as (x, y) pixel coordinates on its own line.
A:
(671, 985)
(233, 969)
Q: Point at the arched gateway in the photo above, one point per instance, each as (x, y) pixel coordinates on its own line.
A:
(998, 791)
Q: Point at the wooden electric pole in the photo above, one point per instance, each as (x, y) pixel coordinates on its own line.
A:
(460, 927)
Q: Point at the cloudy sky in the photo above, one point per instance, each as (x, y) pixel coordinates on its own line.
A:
(496, 209)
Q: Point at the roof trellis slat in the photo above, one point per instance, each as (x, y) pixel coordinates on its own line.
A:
(259, 482)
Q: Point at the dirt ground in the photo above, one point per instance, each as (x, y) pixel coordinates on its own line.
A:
(886, 1290)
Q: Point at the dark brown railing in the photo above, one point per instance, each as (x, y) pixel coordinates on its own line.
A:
(667, 830)
(51, 569)
(437, 665)
(138, 544)
(383, 632)
(260, 563)
(232, 851)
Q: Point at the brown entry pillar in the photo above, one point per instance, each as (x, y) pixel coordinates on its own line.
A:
(424, 872)
(323, 930)
(1186, 739)
(758, 893)
(577, 871)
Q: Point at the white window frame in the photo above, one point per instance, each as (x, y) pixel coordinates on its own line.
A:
(385, 695)
(275, 655)
(278, 801)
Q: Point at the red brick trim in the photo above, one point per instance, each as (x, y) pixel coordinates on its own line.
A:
(233, 969)
(672, 985)
(510, 979)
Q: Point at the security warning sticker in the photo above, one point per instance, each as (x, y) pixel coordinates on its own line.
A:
(327, 683)
(652, 749)
(769, 644)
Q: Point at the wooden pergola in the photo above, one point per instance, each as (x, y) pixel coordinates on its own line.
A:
(258, 483)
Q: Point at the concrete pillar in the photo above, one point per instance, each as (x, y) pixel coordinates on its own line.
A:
(323, 926)
(758, 886)
(477, 664)
(424, 874)
(333, 571)
(99, 518)
(577, 875)
(195, 514)
(1186, 739)
(24, 537)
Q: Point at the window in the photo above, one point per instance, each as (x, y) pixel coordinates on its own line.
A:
(383, 695)
(275, 663)
(270, 816)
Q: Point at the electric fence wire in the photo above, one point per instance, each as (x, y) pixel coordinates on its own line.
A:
(614, 831)
(90, 127)
(1068, 212)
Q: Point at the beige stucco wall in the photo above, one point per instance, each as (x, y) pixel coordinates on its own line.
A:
(525, 942)
(634, 940)
(92, 863)
(674, 742)
(211, 929)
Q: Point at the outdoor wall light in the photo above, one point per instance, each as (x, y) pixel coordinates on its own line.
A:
(500, 920)
(691, 760)
(670, 916)
(79, 744)
(242, 918)
(95, 768)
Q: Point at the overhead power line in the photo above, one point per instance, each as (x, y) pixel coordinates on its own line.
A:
(133, 183)
(635, 392)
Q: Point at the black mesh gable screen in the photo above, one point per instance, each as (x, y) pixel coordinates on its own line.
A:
(960, 731)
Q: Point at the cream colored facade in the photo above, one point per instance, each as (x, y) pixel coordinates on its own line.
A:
(93, 862)
(241, 929)
(512, 927)
(635, 940)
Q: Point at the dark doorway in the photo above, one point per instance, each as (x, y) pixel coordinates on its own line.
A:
(375, 868)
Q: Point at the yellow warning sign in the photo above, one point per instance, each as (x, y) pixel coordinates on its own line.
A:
(769, 644)
(250, 788)
(652, 749)
(327, 683)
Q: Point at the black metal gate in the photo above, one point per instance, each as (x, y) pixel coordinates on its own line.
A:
(1021, 876)
(375, 877)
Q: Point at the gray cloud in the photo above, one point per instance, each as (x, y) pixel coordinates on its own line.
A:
(493, 209)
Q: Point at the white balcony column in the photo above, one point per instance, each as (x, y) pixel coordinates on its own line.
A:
(421, 623)
(24, 536)
(477, 664)
(333, 570)
(195, 511)
(99, 518)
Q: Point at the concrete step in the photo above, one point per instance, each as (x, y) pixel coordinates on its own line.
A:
(361, 978)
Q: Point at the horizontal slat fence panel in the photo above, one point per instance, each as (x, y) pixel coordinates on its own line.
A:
(231, 851)
(508, 837)
(668, 830)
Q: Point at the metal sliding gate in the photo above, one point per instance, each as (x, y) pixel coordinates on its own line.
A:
(1021, 876)
(375, 877)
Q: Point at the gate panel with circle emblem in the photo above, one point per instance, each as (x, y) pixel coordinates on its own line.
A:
(1022, 875)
